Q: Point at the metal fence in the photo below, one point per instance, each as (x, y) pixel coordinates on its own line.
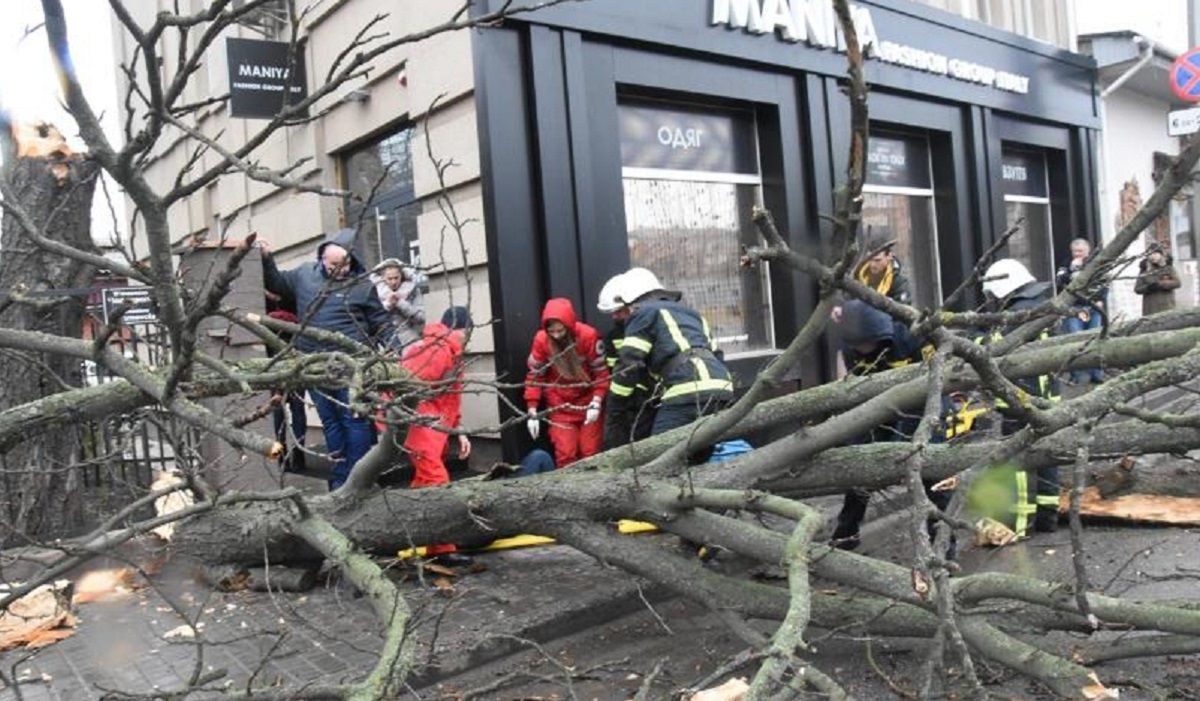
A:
(120, 455)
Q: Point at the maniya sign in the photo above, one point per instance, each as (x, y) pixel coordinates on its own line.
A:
(264, 76)
(815, 23)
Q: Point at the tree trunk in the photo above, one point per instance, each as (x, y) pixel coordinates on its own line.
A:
(39, 480)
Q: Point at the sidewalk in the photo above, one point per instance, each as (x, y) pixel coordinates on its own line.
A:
(325, 636)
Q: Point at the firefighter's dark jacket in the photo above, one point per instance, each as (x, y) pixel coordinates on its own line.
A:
(892, 345)
(668, 345)
(1029, 296)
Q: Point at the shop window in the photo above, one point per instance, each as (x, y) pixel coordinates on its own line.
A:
(269, 19)
(1026, 189)
(382, 205)
(691, 179)
(898, 204)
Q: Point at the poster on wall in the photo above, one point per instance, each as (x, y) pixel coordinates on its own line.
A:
(898, 161)
(264, 76)
(682, 139)
(1023, 173)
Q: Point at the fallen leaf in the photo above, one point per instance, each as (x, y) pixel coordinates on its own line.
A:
(989, 531)
(947, 485)
(1099, 692)
(439, 569)
(39, 618)
(920, 584)
(442, 583)
(183, 631)
(103, 585)
(732, 690)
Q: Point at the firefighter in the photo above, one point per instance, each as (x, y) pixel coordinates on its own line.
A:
(567, 370)
(636, 417)
(874, 342)
(1011, 288)
(667, 346)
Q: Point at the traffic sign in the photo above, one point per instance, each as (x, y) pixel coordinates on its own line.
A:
(139, 301)
(1185, 76)
(1183, 122)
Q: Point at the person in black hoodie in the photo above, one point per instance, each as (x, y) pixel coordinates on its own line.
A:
(1011, 288)
(872, 341)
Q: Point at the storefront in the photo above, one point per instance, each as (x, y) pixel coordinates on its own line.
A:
(627, 132)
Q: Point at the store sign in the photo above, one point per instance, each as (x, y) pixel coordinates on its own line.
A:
(678, 139)
(138, 301)
(1023, 173)
(815, 23)
(264, 76)
(898, 162)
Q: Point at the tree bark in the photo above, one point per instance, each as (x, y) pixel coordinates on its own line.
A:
(39, 481)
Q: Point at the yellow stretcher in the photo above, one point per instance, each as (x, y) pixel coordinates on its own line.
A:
(525, 541)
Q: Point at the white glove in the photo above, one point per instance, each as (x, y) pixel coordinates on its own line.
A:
(593, 412)
(533, 424)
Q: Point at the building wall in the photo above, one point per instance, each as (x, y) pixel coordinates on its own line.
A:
(1134, 129)
(1050, 21)
(402, 90)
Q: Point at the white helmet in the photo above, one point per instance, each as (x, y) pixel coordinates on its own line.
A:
(634, 283)
(608, 302)
(1004, 277)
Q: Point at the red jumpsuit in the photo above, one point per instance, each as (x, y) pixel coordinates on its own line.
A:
(434, 358)
(568, 398)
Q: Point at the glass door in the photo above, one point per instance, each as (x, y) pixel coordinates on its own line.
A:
(691, 179)
(1027, 196)
(898, 205)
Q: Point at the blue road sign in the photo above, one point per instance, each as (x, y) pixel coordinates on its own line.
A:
(1185, 76)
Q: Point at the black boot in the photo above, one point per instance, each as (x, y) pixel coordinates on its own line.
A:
(845, 536)
(1045, 520)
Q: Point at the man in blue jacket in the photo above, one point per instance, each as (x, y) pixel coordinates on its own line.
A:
(334, 294)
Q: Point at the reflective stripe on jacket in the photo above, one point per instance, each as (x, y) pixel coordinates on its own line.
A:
(670, 343)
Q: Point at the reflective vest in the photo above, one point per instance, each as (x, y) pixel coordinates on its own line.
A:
(1044, 386)
(1003, 493)
(672, 345)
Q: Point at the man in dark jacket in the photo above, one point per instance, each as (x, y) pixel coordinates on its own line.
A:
(668, 346)
(1157, 281)
(333, 294)
(881, 271)
(874, 342)
(1089, 311)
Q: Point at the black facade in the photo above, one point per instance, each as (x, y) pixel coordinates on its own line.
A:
(551, 87)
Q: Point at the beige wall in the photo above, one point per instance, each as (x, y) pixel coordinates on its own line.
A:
(437, 68)
(1135, 127)
(1046, 20)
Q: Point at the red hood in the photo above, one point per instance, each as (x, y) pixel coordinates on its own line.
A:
(439, 330)
(559, 309)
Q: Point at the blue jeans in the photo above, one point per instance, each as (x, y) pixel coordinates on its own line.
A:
(347, 437)
(536, 462)
(1073, 324)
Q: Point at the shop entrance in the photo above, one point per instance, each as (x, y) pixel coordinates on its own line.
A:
(898, 204)
(691, 179)
(1027, 195)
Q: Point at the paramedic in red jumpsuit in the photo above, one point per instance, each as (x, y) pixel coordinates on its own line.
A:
(436, 358)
